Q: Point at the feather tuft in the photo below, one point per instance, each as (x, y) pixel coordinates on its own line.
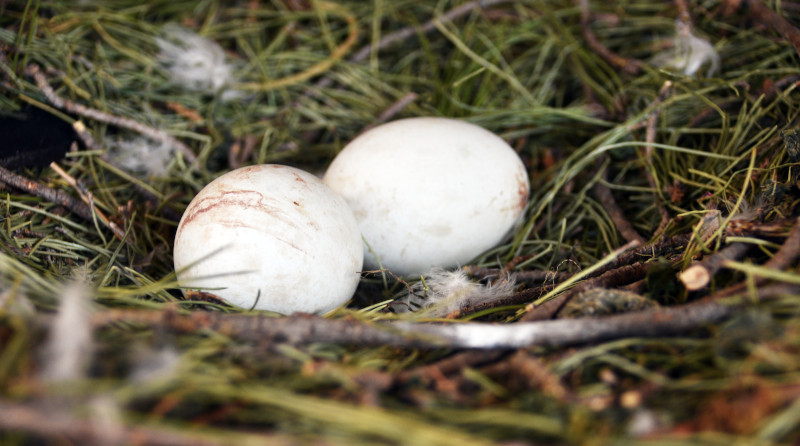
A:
(193, 61)
(443, 292)
(70, 344)
(142, 155)
(689, 52)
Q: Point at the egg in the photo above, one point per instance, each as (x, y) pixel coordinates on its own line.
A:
(430, 192)
(270, 237)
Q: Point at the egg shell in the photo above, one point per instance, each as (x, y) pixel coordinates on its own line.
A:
(270, 237)
(430, 192)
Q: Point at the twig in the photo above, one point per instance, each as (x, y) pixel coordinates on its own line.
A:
(305, 329)
(34, 71)
(623, 275)
(518, 298)
(533, 370)
(762, 14)
(63, 425)
(40, 190)
(785, 256)
(296, 329)
(699, 275)
(87, 198)
(449, 365)
(527, 276)
(683, 11)
(622, 224)
(86, 136)
(650, 138)
(393, 109)
(635, 255)
(629, 66)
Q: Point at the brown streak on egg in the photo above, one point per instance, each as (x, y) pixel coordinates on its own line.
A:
(241, 198)
(522, 191)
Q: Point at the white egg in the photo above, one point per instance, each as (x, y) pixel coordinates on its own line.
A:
(270, 237)
(430, 192)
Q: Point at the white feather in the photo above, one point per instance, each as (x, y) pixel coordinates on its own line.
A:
(106, 419)
(689, 53)
(154, 364)
(69, 346)
(142, 155)
(194, 62)
(443, 292)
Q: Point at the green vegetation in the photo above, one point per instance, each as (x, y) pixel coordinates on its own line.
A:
(701, 167)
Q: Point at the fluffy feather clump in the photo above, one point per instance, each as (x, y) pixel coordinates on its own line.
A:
(443, 292)
(142, 155)
(16, 303)
(70, 343)
(194, 62)
(154, 364)
(690, 52)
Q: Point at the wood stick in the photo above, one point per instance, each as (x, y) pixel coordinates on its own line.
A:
(62, 426)
(40, 190)
(306, 329)
(629, 66)
(762, 14)
(786, 254)
(610, 205)
(699, 275)
(34, 71)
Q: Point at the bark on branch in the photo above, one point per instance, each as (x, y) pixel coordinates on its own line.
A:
(306, 329)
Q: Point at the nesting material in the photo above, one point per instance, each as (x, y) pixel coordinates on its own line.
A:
(690, 53)
(143, 155)
(270, 237)
(430, 192)
(194, 62)
(70, 342)
(601, 302)
(443, 292)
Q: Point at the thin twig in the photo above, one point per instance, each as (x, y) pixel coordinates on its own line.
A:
(699, 275)
(392, 110)
(683, 11)
(34, 71)
(535, 372)
(526, 276)
(62, 426)
(622, 224)
(88, 198)
(623, 275)
(449, 365)
(650, 138)
(762, 14)
(40, 190)
(518, 298)
(629, 66)
(661, 248)
(785, 256)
